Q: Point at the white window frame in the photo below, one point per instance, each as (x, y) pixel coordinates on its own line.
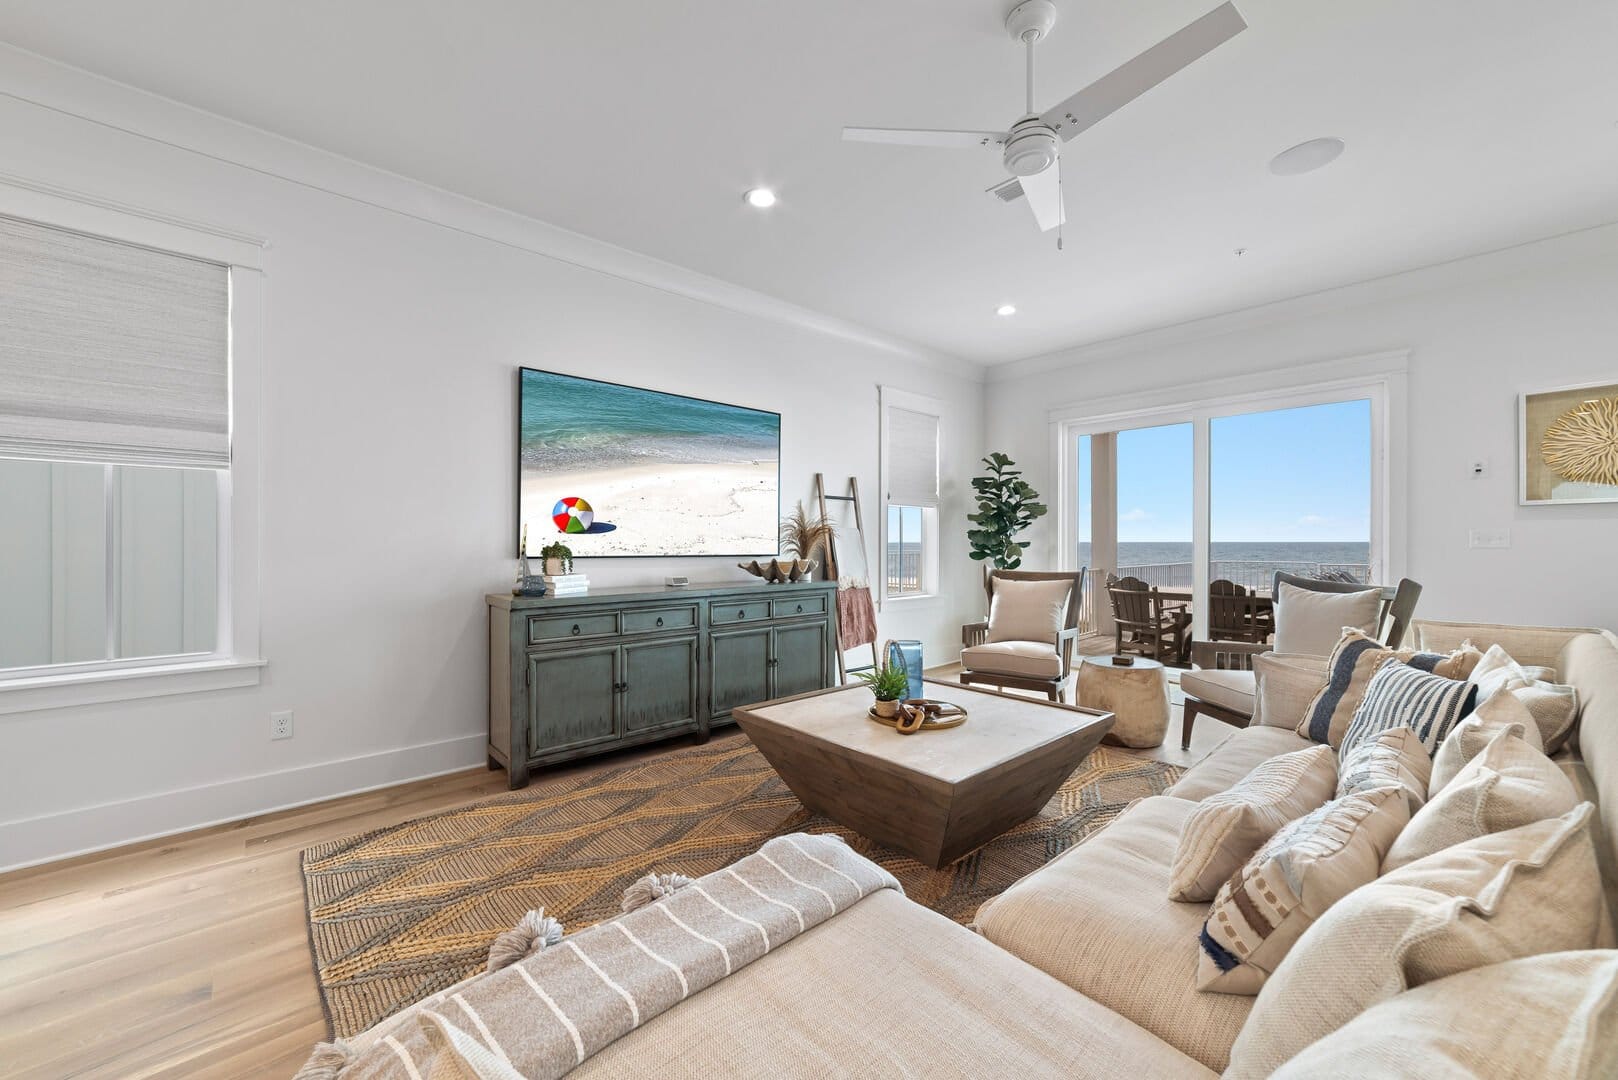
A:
(235, 660)
(1380, 378)
(893, 397)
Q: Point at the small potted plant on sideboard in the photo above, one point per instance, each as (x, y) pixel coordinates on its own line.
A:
(889, 684)
(557, 558)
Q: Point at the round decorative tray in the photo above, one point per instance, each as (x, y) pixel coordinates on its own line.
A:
(935, 716)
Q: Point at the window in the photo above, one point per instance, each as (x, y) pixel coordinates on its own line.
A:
(1182, 495)
(117, 553)
(910, 475)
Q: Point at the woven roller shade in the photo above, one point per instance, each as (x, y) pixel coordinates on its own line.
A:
(912, 457)
(111, 352)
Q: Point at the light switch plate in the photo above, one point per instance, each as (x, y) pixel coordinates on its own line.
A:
(1489, 538)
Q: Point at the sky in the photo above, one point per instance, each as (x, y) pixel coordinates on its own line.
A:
(1288, 474)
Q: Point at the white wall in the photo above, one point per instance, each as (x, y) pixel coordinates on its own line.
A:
(1478, 332)
(389, 412)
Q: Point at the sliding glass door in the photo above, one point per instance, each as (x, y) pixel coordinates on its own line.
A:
(1208, 502)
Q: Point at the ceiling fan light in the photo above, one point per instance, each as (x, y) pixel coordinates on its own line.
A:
(1306, 157)
(760, 197)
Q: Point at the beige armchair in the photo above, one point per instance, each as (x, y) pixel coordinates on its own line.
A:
(1222, 684)
(1027, 640)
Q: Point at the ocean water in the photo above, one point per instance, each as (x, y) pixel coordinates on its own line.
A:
(1247, 563)
(571, 424)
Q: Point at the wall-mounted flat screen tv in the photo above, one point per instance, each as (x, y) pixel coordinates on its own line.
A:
(615, 470)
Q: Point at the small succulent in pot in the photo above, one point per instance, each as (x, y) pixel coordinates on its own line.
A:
(557, 558)
(888, 684)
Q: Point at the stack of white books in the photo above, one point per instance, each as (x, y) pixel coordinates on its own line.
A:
(567, 584)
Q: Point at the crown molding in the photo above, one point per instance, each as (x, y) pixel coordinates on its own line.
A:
(1599, 241)
(49, 84)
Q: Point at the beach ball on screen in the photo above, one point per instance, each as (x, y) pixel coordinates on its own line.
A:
(573, 515)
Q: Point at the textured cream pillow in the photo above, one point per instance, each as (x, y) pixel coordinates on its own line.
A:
(1503, 896)
(1395, 758)
(1304, 869)
(1553, 707)
(1508, 785)
(1555, 1016)
(1284, 683)
(1502, 710)
(1028, 610)
(1310, 622)
(1225, 829)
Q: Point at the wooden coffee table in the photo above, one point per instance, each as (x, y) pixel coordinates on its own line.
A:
(935, 795)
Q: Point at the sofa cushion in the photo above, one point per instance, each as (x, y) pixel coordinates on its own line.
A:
(1500, 711)
(1028, 610)
(1548, 1015)
(1402, 696)
(1227, 827)
(1286, 684)
(1503, 896)
(1029, 659)
(1233, 759)
(1100, 920)
(879, 991)
(1554, 707)
(1395, 758)
(1509, 784)
(1310, 622)
(1303, 870)
(1233, 690)
(1353, 660)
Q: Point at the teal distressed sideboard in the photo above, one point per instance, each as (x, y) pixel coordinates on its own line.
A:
(573, 676)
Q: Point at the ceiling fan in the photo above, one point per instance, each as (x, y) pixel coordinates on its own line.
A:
(1031, 148)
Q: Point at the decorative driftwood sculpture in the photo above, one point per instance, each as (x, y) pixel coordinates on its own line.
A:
(1582, 444)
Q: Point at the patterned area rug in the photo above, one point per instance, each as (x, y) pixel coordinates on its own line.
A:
(399, 913)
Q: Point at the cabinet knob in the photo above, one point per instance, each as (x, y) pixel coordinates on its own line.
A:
(660, 620)
(741, 614)
(800, 609)
(575, 629)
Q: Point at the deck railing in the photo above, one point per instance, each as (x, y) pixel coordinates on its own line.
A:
(904, 572)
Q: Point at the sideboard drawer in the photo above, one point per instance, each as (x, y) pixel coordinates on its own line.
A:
(542, 628)
(798, 605)
(652, 620)
(730, 612)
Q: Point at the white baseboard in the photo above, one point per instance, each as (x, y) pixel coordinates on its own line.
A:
(82, 830)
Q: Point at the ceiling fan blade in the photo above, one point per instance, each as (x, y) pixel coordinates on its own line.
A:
(1044, 193)
(1119, 87)
(924, 137)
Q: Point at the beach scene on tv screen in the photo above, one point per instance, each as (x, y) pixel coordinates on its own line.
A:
(617, 470)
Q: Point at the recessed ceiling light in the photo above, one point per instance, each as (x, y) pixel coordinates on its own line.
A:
(1006, 309)
(761, 197)
(1306, 157)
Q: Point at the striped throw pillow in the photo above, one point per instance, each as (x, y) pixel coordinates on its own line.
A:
(1399, 695)
(1305, 868)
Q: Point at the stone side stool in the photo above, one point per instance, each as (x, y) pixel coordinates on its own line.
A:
(1137, 694)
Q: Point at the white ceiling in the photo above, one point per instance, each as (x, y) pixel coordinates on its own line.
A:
(1471, 125)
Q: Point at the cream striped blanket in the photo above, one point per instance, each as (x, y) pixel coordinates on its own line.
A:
(543, 1015)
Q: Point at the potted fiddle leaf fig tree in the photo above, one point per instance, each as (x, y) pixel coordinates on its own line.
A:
(1007, 504)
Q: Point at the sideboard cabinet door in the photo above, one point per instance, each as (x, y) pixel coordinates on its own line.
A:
(659, 684)
(799, 656)
(571, 696)
(739, 670)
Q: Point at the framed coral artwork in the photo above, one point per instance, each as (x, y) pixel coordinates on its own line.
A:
(1568, 445)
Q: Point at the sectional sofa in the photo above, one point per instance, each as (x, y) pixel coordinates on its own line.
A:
(1086, 968)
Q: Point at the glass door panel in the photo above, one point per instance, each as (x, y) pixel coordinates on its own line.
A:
(1289, 490)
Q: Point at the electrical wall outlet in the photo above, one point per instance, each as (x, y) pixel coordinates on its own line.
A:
(281, 724)
(1489, 538)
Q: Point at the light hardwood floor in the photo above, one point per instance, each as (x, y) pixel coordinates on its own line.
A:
(189, 956)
